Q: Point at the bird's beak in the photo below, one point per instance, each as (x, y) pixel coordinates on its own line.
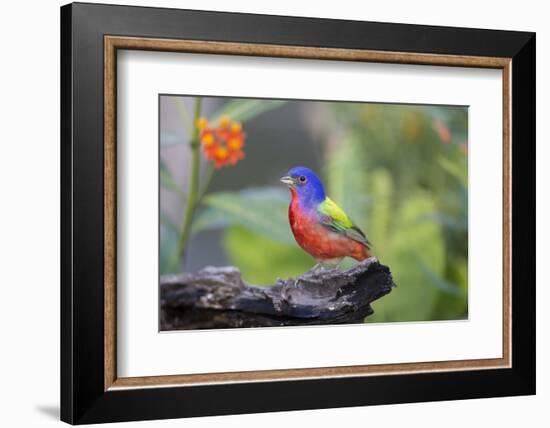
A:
(289, 181)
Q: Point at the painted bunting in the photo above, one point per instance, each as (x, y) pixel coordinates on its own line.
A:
(320, 226)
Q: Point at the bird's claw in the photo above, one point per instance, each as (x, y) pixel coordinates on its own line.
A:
(319, 267)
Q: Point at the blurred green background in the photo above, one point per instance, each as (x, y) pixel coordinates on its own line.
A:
(399, 171)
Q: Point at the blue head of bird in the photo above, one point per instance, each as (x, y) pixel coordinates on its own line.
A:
(307, 187)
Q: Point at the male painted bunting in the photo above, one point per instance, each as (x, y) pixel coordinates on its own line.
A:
(320, 226)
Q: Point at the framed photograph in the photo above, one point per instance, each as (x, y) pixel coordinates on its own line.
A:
(267, 213)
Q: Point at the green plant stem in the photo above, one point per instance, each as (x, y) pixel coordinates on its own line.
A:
(193, 193)
(207, 179)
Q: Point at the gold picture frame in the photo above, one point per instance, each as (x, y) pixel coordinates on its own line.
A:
(114, 43)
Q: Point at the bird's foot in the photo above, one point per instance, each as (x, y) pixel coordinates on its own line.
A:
(315, 269)
(319, 267)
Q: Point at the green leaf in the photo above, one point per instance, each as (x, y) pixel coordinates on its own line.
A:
(209, 218)
(262, 210)
(460, 173)
(168, 223)
(439, 282)
(245, 109)
(261, 260)
(166, 179)
(451, 306)
(445, 220)
(347, 179)
(382, 191)
(168, 260)
(408, 242)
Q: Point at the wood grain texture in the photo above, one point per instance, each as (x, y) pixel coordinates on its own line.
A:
(301, 52)
(110, 183)
(112, 43)
(507, 213)
(309, 373)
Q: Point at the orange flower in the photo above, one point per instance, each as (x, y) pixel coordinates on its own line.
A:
(236, 127)
(210, 151)
(235, 143)
(442, 130)
(223, 144)
(225, 122)
(202, 123)
(207, 139)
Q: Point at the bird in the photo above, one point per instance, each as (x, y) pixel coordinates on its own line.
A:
(319, 225)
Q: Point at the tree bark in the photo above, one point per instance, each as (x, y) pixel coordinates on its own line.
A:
(217, 297)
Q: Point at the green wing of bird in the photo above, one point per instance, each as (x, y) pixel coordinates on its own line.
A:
(334, 218)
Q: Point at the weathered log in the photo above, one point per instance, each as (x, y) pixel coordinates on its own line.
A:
(217, 297)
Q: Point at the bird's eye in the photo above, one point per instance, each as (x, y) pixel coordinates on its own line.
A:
(302, 179)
